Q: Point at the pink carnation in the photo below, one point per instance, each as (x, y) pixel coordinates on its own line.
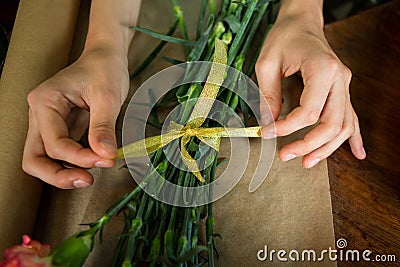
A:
(30, 254)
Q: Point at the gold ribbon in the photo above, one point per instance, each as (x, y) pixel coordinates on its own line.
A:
(209, 136)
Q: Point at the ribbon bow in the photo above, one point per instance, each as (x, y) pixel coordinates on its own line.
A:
(209, 136)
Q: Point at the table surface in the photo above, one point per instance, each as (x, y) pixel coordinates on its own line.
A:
(366, 194)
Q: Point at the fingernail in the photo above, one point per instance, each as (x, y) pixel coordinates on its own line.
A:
(80, 184)
(363, 151)
(268, 133)
(312, 163)
(108, 145)
(102, 164)
(288, 157)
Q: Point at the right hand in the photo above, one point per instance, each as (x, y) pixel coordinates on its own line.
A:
(89, 93)
(296, 43)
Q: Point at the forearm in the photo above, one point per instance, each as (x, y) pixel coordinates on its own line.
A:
(309, 10)
(109, 24)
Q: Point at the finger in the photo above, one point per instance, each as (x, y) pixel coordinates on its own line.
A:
(53, 130)
(317, 83)
(36, 163)
(331, 125)
(269, 76)
(54, 174)
(103, 115)
(355, 140)
(58, 144)
(326, 150)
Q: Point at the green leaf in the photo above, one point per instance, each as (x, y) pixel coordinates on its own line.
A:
(200, 21)
(263, 2)
(155, 52)
(194, 91)
(233, 22)
(216, 235)
(242, 86)
(171, 60)
(234, 101)
(225, 6)
(215, 250)
(245, 110)
(169, 98)
(163, 37)
(204, 150)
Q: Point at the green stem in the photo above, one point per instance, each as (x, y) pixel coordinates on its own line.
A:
(121, 243)
(210, 222)
(179, 15)
(182, 176)
(121, 204)
(134, 231)
(225, 7)
(239, 38)
(254, 26)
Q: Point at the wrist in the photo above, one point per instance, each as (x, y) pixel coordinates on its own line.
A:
(103, 54)
(109, 23)
(103, 42)
(308, 11)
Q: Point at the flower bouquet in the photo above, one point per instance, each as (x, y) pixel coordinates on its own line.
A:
(163, 227)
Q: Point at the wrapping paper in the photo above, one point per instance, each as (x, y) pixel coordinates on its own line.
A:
(40, 46)
(291, 210)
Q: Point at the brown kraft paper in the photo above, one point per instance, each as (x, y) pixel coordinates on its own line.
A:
(40, 46)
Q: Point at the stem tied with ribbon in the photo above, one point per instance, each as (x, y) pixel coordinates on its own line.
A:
(209, 136)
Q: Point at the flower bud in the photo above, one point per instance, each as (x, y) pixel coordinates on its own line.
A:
(73, 251)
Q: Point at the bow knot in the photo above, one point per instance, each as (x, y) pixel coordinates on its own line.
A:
(209, 136)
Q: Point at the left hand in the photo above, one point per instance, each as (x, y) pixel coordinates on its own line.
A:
(59, 114)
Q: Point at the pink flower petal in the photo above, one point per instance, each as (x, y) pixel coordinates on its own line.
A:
(30, 253)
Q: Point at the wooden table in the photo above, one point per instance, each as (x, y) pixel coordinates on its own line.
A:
(366, 194)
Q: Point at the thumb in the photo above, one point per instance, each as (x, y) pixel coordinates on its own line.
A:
(102, 140)
(269, 79)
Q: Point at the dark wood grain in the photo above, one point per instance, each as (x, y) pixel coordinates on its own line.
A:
(366, 194)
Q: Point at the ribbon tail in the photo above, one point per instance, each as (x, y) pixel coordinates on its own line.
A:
(211, 88)
(147, 146)
(213, 142)
(238, 132)
(188, 160)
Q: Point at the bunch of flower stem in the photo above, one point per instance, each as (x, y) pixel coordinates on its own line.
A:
(163, 235)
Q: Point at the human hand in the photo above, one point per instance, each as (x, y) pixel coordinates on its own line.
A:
(297, 43)
(98, 83)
